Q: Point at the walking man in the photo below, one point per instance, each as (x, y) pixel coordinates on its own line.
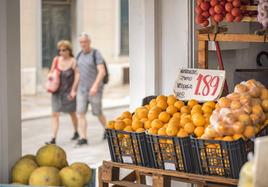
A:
(90, 88)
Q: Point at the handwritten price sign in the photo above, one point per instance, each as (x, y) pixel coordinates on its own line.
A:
(199, 84)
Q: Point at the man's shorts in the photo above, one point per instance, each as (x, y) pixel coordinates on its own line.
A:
(82, 101)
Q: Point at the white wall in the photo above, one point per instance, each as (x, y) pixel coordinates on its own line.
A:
(159, 43)
(175, 33)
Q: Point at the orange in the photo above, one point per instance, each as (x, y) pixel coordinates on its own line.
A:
(153, 115)
(179, 104)
(197, 107)
(244, 119)
(165, 125)
(249, 132)
(128, 129)
(238, 127)
(148, 107)
(255, 92)
(235, 105)
(161, 97)
(224, 102)
(185, 109)
(110, 124)
(264, 105)
(199, 131)
(255, 119)
(211, 146)
(143, 120)
(240, 88)
(156, 109)
(136, 125)
(162, 104)
(171, 131)
(162, 131)
(153, 131)
(191, 103)
(257, 109)
(210, 103)
(140, 130)
(196, 111)
(245, 99)
(164, 117)
(135, 117)
(182, 133)
(147, 124)
(189, 128)
(157, 124)
(264, 94)
(255, 101)
(127, 114)
(210, 132)
(177, 115)
(127, 121)
(152, 103)
(169, 141)
(171, 109)
(234, 96)
(171, 100)
(174, 122)
(238, 136)
(199, 120)
(119, 125)
(228, 138)
(140, 108)
(184, 121)
(142, 113)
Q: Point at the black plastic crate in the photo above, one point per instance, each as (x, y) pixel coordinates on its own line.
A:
(128, 147)
(146, 100)
(171, 153)
(222, 158)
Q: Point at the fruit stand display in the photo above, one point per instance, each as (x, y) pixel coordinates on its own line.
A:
(210, 138)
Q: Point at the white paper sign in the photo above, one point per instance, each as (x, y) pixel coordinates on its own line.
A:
(199, 84)
(127, 159)
(169, 166)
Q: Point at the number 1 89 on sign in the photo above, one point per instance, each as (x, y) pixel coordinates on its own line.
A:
(207, 85)
(200, 84)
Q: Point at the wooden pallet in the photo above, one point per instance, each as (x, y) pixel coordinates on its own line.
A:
(109, 174)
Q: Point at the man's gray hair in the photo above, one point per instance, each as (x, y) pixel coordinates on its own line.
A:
(84, 34)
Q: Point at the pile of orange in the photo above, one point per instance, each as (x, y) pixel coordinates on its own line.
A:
(241, 114)
(166, 116)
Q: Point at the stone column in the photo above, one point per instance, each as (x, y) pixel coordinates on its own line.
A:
(10, 116)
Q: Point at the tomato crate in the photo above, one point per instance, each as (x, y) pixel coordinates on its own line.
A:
(128, 147)
(222, 158)
(171, 153)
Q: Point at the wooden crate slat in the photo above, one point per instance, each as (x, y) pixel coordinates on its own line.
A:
(249, 19)
(177, 174)
(250, 7)
(232, 37)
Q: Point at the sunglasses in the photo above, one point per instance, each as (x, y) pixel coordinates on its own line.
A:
(62, 50)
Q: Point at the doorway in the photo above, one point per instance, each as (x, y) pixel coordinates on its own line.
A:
(56, 26)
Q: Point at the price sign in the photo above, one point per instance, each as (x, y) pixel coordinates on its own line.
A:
(199, 84)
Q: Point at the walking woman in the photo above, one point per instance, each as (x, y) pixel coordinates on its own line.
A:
(64, 99)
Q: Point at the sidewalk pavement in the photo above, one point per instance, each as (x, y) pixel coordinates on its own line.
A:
(37, 131)
(39, 106)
